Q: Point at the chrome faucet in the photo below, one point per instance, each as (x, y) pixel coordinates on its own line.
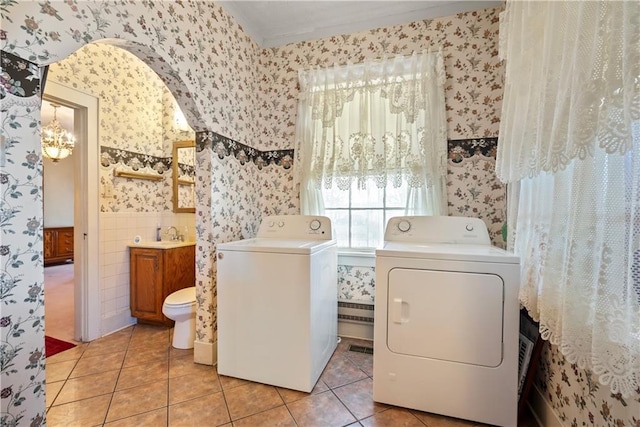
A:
(175, 235)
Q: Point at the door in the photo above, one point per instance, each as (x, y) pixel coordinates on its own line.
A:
(446, 315)
(87, 322)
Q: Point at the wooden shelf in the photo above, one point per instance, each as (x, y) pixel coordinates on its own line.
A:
(137, 175)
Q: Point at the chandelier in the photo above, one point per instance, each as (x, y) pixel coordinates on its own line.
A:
(57, 143)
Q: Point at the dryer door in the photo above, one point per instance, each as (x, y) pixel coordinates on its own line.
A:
(446, 315)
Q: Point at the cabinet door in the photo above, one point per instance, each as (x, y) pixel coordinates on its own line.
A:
(65, 243)
(180, 269)
(49, 244)
(146, 284)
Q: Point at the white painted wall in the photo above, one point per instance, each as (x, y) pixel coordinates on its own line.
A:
(58, 186)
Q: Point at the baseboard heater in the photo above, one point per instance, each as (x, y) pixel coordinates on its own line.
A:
(355, 312)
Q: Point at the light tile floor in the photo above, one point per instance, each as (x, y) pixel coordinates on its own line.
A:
(135, 378)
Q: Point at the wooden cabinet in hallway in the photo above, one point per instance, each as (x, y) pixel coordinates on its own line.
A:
(58, 244)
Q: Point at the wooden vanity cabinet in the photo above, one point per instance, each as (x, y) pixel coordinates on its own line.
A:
(156, 273)
(58, 244)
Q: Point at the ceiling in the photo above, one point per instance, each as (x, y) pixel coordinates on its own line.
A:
(276, 23)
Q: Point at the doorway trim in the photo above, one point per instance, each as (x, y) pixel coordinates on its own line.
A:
(87, 319)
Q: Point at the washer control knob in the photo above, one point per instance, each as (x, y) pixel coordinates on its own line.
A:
(280, 224)
(404, 226)
(271, 223)
(469, 227)
(315, 225)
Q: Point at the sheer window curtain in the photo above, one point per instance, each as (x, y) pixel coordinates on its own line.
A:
(375, 123)
(569, 147)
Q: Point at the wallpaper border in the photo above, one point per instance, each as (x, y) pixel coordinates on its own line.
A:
(111, 156)
(457, 150)
(224, 147)
(460, 149)
(19, 77)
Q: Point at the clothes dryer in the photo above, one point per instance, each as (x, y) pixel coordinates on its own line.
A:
(277, 302)
(446, 320)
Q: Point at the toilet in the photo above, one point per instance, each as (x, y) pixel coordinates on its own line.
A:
(181, 307)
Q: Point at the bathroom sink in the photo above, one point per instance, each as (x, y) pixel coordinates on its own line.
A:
(164, 244)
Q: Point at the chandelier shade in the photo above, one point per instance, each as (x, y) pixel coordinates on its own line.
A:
(57, 142)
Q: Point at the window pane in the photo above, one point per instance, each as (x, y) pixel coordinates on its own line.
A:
(366, 228)
(390, 213)
(397, 197)
(340, 225)
(335, 198)
(372, 197)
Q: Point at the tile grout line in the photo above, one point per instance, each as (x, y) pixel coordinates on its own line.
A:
(115, 386)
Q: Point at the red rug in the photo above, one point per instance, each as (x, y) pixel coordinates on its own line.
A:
(54, 346)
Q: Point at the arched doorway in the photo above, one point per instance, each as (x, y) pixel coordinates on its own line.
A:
(133, 133)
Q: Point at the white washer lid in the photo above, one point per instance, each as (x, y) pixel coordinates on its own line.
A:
(447, 251)
(282, 246)
(181, 297)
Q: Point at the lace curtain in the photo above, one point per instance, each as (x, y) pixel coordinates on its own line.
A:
(570, 146)
(571, 86)
(378, 122)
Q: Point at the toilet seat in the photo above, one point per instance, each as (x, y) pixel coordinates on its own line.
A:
(183, 297)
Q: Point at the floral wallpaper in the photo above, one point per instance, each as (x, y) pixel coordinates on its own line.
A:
(356, 283)
(22, 361)
(472, 187)
(473, 89)
(578, 399)
(201, 54)
(136, 118)
(225, 85)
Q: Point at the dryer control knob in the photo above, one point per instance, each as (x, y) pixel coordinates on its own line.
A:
(280, 224)
(404, 226)
(315, 225)
(469, 227)
(271, 223)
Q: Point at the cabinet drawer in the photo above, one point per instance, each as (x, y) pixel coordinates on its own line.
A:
(65, 243)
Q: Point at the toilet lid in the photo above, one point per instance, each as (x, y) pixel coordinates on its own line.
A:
(183, 296)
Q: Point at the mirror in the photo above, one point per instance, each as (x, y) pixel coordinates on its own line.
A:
(184, 175)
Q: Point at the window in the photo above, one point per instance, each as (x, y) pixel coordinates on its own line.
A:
(359, 216)
(371, 144)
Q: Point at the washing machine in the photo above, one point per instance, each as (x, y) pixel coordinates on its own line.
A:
(277, 302)
(446, 320)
